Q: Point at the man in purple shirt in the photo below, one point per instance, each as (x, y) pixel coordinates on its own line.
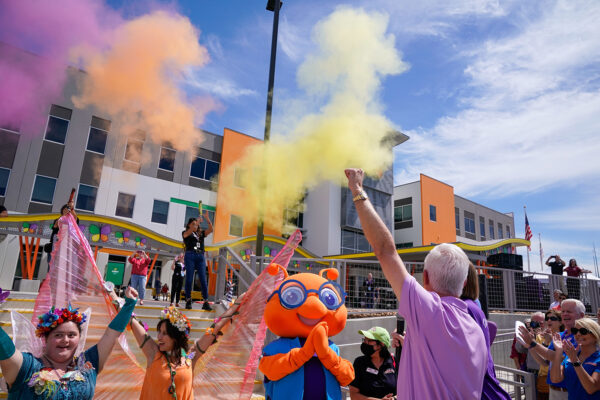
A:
(444, 354)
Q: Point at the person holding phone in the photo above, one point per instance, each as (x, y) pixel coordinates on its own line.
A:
(139, 272)
(193, 241)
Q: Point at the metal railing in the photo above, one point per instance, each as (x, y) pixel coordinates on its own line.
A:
(506, 289)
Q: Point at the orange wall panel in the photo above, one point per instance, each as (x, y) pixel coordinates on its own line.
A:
(234, 148)
(441, 196)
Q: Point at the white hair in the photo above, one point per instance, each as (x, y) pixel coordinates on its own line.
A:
(447, 267)
(578, 305)
(538, 314)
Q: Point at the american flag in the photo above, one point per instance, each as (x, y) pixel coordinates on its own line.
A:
(528, 233)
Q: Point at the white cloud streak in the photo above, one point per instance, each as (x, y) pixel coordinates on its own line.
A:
(531, 122)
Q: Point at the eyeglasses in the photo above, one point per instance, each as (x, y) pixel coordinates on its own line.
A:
(293, 293)
(552, 318)
(581, 331)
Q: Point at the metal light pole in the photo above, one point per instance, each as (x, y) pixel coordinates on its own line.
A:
(272, 5)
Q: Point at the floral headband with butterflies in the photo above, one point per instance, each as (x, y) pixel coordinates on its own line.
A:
(177, 319)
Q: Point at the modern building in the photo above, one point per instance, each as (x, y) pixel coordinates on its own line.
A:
(129, 185)
(427, 212)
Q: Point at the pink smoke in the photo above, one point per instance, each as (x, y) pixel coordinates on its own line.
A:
(48, 29)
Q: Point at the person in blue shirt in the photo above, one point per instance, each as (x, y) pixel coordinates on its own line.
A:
(571, 311)
(579, 370)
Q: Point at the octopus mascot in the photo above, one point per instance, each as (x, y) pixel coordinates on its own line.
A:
(303, 363)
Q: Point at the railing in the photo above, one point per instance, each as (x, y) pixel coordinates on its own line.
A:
(505, 289)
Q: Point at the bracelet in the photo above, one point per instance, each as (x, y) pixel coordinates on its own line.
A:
(577, 364)
(199, 349)
(146, 338)
(532, 344)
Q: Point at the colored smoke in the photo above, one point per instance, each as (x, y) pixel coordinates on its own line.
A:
(132, 68)
(353, 55)
(134, 80)
(48, 29)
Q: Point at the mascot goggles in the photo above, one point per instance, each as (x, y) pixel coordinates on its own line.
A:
(292, 294)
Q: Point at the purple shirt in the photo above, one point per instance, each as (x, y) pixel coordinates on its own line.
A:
(442, 356)
(491, 387)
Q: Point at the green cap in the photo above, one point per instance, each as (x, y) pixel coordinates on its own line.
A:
(377, 333)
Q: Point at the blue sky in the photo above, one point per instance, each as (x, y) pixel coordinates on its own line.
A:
(501, 99)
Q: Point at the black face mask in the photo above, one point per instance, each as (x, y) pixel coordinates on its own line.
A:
(367, 349)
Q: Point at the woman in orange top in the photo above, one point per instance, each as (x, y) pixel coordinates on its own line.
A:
(170, 363)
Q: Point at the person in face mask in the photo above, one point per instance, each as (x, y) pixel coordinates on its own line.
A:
(375, 372)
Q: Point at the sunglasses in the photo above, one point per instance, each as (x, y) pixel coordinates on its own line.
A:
(581, 331)
(552, 319)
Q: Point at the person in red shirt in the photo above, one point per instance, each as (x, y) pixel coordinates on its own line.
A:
(574, 272)
(139, 272)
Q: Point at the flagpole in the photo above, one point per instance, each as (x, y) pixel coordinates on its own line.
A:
(528, 263)
(541, 251)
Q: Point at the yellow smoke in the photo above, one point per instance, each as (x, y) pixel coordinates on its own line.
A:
(134, 79)
(353, 54)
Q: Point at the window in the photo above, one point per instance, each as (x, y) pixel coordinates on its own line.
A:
(354, 242)
(500, 231)
(204, 169)
(133, 151)
(239, 175)
(405, 245)
(190, 212)
(482, 227)
(491, 224)
(403, 213)
(507, 232)
(469, 223)
(86, 198)
(432, 213)
(56, 131)
(125, 203)
(43, 189)
(97, 140)
(160, 212)
(457, 219)
(4, 174)
(236, 226)
(294, 217)
(167, 159)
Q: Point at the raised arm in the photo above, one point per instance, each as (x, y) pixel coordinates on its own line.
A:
(146, 343)
(116, 327)
(208, 230)
(557, 370)
(537, 349)
(377, 234)
(591, 383)
(11, 359)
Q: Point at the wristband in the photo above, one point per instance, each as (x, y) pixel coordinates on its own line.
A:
(577, 364)
(7, 347)
(532, 344)
(121, 320)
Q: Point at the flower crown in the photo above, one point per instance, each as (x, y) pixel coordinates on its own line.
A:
(56, 316)
(177, 319)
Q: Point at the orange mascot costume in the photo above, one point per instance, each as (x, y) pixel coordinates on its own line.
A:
(303, 363)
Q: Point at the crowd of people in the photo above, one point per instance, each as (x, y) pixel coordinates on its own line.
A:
(446, 346)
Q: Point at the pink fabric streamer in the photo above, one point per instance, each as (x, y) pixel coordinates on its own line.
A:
(228, 370)
(74, 278)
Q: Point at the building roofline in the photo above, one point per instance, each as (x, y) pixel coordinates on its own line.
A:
(486, 207)
(241, 133)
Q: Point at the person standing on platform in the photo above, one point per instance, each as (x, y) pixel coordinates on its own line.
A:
(139, 272)
(556, 268)
(193, 240)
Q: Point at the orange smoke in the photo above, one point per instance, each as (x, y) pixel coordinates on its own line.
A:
(134, 79)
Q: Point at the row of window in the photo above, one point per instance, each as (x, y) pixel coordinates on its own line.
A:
(469, 218)
(56, 131)
(4, 175)
(44, 187)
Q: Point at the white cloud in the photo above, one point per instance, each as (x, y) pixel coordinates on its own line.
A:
(532, 121)
(219, 86)
(583, 215)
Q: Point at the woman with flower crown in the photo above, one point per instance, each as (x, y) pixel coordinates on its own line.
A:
(59, 373)
(171, 360)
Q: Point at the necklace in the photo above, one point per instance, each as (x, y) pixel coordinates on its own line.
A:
(172, 373)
